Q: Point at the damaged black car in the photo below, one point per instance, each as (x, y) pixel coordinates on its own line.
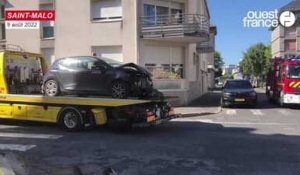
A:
(89, 75)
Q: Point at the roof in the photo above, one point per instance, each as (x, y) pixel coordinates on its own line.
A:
(292, 6)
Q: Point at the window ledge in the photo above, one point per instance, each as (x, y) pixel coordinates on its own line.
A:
(50, 38)
(106, 20)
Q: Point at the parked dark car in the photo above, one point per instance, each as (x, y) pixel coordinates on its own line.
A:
(237, 92)
(87, 75)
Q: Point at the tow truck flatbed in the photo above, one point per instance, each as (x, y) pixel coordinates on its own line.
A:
(66, 100)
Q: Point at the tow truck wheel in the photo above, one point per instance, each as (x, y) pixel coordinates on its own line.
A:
(51, 88)
(70, 119)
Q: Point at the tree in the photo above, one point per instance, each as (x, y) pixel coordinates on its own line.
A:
(256, 61)
(218, 64)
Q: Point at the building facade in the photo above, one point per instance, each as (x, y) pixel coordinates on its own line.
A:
(173, 39)
(286, 40)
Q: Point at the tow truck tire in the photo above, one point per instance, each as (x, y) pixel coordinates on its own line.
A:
(51, 88)
(70, 119)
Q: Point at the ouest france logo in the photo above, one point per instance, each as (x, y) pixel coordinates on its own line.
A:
(268, 19)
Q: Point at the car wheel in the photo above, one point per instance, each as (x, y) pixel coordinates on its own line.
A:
(119, 90)
(70, 119)
(51, 88)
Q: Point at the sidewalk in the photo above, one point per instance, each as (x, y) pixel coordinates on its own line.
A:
(207, 104)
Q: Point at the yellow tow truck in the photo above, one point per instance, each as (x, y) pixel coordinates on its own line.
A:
(21, 74)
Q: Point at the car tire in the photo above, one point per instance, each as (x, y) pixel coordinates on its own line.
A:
(70, 119)
(51, 88)
(119, 89)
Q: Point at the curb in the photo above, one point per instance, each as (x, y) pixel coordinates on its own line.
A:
(5, 167)
(10, 165)
(185, 115)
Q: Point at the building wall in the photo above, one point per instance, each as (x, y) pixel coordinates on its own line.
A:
(72, 29)
(278, 38)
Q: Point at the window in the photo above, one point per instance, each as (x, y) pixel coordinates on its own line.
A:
(290, 45)
(47, 26)
(23, 76)
(149, 13)
(176, 15)
(164, 62)
(48, 32)
(106, 9)
(294, 71)
(2, 11)
(162, 14)
(154, 15)
(3, 32)
(165, 71)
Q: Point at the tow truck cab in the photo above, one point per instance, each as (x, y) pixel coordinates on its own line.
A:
(283, 81)
(21, 74)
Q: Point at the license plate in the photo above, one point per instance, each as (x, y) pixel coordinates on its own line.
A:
(150, 118)
(239, 99)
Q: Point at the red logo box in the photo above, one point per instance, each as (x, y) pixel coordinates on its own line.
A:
(29, 15)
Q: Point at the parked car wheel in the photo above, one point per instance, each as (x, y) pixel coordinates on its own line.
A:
(51, 88)
(120, 90)
(70, 119)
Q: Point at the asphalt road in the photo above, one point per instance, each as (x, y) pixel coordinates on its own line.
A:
(237, 141)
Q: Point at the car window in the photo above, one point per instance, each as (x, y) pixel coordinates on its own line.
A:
(294, 71)
(111, 62)
(238, 85)
(77, 63)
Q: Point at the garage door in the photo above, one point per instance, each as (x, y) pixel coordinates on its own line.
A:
(113, 52)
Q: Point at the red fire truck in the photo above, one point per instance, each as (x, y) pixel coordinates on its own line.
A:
(283, 81)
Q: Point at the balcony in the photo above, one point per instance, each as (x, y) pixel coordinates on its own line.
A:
(181, 28)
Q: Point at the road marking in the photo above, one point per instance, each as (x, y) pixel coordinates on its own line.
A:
(231, 112)
(283, 112)
(16, 147)
(8, 127)
(231, 123)
(256, 112)
(29, 136)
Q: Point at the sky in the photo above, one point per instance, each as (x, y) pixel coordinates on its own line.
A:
(233, 38)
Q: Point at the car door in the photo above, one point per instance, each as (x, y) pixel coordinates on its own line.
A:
(72, 74)
(101, 76)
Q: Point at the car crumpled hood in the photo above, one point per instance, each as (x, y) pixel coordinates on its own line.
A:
(137, 67)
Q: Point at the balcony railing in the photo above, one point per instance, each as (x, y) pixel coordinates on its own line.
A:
(177, 25)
